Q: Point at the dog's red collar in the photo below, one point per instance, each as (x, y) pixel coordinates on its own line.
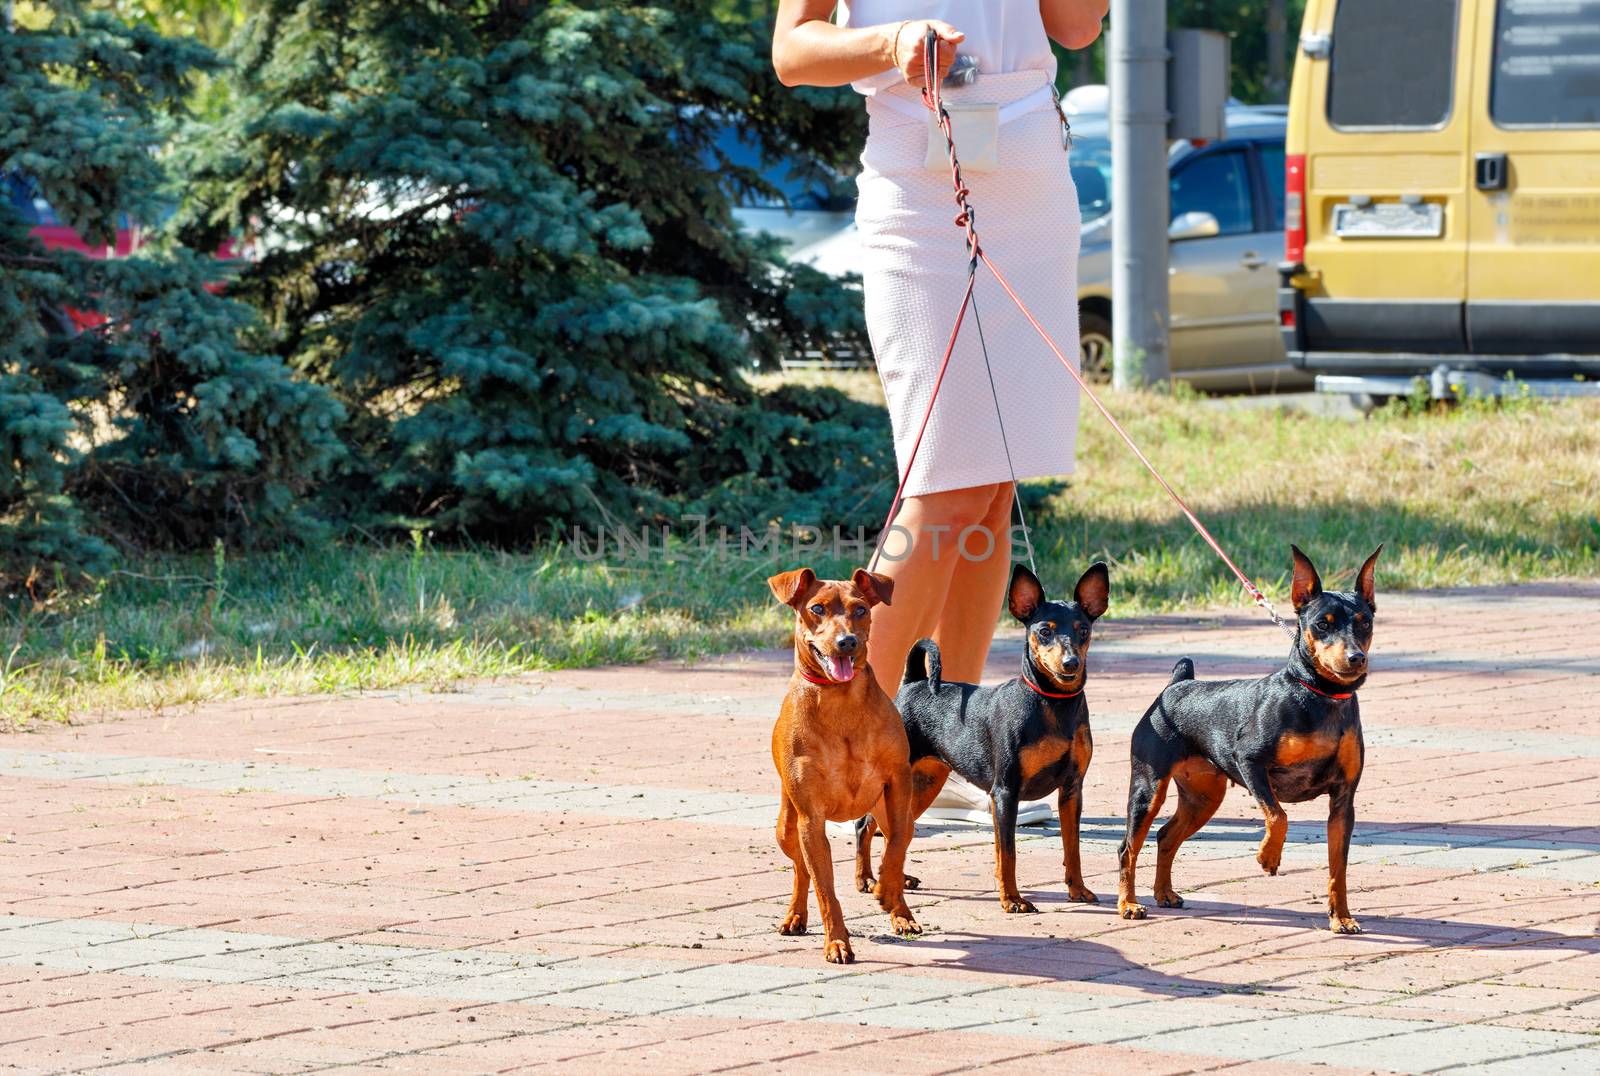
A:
(1037, 690)
(817, 679)
(1313, 688)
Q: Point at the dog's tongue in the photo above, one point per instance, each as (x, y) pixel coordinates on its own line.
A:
(840, 669)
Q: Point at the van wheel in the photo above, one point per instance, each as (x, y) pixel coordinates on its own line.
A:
(1094, 347)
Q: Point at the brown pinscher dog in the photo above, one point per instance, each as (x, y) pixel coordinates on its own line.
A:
(840, 750)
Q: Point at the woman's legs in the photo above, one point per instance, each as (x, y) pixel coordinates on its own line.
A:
(953, 598)
(966, 623)
(934, 582)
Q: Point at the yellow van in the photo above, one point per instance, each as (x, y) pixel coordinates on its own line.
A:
(1442, 210)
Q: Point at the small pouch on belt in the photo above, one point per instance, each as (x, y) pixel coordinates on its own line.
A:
(977, 132)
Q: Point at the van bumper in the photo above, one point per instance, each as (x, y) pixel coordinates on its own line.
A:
(1421, 364)
(1291, 310)
(1444, 383)
(1313, 353)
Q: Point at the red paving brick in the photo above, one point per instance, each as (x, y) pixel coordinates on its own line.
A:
(414, 881)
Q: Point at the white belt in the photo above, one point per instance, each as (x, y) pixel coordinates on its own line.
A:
(1006, 113)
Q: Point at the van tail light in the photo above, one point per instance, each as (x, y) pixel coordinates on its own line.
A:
(1294, 208)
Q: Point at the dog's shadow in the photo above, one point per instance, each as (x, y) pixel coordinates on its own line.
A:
(1380, 930)
(1060, 960)
(1095, 962)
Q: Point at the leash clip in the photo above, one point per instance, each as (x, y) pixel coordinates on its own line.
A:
(1066, 128)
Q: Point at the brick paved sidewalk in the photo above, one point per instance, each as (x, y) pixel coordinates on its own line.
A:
(579, 869)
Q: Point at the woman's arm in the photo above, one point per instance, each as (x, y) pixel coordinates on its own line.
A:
(809, 50)
(1073, 24)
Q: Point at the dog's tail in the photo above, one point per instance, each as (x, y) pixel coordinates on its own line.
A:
(923, 664)
(1183, 670)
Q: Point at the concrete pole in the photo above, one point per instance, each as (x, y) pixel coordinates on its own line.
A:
(1277, 87)
(1136, 68)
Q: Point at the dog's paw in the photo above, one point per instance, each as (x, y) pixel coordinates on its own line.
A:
(1017, 904)
(1081, 894)
(1169, 898)
(913, 882)
(904, 925)
(1343, 924)
(792, 924)
(866, 883)
(1131, 909)
(1270, 858)
(838, 952)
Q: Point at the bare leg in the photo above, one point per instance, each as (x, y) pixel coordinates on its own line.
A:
(794, 922)
(923, 575)
(966, 623)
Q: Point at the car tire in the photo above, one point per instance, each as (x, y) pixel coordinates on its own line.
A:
(1094, 347)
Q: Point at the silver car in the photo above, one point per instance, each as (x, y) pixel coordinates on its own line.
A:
(812, 203)
(1227, 239)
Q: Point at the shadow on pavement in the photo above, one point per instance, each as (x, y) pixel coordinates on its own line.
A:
(1378, 929)
(1061, 959)
(1247, 832)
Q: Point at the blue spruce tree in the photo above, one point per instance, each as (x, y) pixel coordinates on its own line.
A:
(156, 427)
(501, 231)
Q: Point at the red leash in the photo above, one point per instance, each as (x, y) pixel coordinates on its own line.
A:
(932, 99)
(949, 349)
(1194, 520)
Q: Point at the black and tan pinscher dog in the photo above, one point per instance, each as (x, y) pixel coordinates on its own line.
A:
(1287, 738)
(1019, 741)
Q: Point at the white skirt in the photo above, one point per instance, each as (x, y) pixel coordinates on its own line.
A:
(914, 270)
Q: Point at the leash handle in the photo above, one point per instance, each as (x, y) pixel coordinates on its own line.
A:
(933, 99)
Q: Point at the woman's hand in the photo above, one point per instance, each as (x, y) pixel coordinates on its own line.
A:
(908, 47)
(809, 50)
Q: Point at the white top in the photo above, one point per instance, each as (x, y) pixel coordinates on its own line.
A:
(1004, 35)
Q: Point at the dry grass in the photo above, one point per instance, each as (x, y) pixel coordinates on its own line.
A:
(1482, 493)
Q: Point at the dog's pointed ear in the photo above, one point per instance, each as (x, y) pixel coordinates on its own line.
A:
(1307, 583)
(1093, 592)
(876, 588)
(792, 588)
(1366, 584)
(1025, 594)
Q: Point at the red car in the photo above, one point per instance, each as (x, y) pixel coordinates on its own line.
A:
(45, 226)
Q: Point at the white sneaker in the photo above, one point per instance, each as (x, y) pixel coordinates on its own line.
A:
(961, 801)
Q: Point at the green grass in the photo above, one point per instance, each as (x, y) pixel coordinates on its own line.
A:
(1480, 494)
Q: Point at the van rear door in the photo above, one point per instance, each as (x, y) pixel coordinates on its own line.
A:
(1533, 259)
(1386, 134)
